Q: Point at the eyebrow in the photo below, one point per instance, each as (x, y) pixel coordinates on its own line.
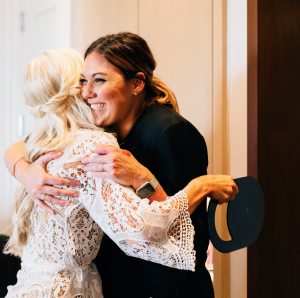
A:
(96, 73)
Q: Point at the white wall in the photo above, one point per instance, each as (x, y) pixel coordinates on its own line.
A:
(44, 25)
(10, 79)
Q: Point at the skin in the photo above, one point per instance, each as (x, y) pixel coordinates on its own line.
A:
(103, 83)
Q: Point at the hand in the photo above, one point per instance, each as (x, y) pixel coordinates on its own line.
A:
(39, 184)
(219, 187)
(117, 165)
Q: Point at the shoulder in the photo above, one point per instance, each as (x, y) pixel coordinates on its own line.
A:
(83, 145)
(167, 123)
(93, 137)
(163, 117)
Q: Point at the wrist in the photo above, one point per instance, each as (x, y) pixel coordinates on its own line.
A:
(196, 191)
(20, 167)
(141, 179)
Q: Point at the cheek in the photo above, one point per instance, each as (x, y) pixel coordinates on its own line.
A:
(116, 99)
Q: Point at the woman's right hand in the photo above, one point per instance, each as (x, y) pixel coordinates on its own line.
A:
(39, 184)
(219, 187)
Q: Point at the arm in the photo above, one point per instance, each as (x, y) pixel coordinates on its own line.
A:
(120, 166)
(35, 179)
(14, 153)
(161, 232)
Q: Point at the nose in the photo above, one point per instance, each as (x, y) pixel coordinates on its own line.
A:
(87, 91)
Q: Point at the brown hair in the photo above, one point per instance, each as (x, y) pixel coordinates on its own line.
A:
(131, 54)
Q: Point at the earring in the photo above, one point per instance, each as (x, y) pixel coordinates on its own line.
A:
(134, 93)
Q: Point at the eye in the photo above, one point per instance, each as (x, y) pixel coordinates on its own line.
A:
(99, 80)
(83, 81)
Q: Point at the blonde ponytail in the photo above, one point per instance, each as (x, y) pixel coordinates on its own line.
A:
(52, 94)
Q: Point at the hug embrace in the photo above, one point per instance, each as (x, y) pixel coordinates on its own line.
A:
(114, 181)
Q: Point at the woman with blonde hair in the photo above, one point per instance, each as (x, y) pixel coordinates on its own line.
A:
(57, 250)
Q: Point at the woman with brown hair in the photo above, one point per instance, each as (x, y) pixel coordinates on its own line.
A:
(119, 86)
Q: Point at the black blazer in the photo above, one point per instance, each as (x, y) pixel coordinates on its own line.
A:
(175, 152)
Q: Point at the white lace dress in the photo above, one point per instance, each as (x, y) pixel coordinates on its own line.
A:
(57, 260)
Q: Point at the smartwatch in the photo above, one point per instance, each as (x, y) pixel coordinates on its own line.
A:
(147, 189)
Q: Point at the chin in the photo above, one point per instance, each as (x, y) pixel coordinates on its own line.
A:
(101, 122)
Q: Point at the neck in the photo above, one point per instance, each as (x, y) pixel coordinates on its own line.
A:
(123, 128)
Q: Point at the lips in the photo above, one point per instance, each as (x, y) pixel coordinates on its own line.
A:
(98, 106)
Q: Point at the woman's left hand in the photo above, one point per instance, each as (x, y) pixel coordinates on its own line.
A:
(117, 165)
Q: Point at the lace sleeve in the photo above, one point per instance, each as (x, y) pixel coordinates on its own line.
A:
(161, 232)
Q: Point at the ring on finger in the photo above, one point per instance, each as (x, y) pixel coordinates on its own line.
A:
(43, 199)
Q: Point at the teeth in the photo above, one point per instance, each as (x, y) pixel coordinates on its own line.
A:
(98, 106)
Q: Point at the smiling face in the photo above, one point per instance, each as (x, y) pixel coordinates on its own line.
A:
(110, 97)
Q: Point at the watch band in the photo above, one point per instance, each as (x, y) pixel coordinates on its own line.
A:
(154, 182)
(147, 189)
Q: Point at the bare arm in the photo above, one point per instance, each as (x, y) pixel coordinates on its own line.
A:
(13, 154)
(36, 180)
(219, 187)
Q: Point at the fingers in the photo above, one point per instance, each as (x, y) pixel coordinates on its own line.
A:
(95, 159)
(236, 189)
(100, 168)
(94, 168)
(59, 192)
(232, 196)
(53, 200)
(105, 149)
(53, 180)
(44, 206)
(103, 175)
(44, 159)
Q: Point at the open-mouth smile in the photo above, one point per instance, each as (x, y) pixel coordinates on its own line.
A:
(98, 106)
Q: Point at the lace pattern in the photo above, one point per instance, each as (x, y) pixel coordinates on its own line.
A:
(61, 250)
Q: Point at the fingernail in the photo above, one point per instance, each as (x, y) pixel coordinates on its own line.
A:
(75, 195)
(67, 204)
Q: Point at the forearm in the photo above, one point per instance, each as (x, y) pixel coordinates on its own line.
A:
(219, 187)
(14, 153)
(144, 177)
(159, 196)
(141, 229)
(196, 192)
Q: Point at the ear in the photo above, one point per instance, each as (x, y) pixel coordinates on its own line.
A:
(139, 83)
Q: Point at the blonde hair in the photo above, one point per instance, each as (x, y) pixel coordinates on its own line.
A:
(52, 94)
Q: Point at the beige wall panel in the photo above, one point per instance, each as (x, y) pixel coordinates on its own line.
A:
(220, 152)
(180, 36)
(237, 122)
(101, 17)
